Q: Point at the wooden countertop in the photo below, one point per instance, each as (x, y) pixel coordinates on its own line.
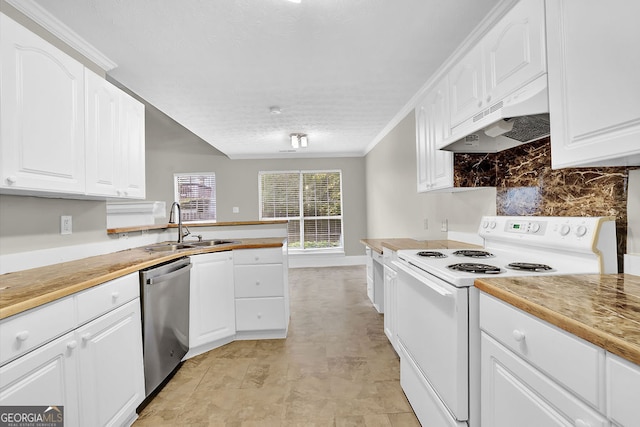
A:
(26, 289)
(401, 244)
(199, 224)
(602, 309)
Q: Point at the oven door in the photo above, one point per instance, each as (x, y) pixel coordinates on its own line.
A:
(433, 328)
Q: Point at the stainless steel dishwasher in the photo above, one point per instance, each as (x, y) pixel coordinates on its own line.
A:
(165, 319)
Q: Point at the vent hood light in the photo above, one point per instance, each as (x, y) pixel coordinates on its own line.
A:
(498, 128)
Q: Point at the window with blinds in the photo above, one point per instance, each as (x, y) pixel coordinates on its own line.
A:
(196, 194)
(312, 203)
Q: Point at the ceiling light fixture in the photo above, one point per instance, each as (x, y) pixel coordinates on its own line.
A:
(295, 1)
(299, 140)
(275, 110)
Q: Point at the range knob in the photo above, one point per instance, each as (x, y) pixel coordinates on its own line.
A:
(492, 225)
(485, 224)
(564, 230)
(535, 227)
(581, 230)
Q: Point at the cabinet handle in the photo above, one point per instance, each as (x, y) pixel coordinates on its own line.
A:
(582, 423)
(72, 344)
(12, 179)
(125, 192)
(257, 282)
(115, 295)
(518, 335)
(257, 258)
(22, 335)
(479, 103)
(86, 336)
(259, 316)
(488, 98)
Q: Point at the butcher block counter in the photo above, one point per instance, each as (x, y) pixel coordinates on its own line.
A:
(27, 289)
(601, 309)
(402, 244)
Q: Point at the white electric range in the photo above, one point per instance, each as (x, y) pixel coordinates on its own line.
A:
(437, 326)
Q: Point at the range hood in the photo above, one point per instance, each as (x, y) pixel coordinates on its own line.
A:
(517, 119)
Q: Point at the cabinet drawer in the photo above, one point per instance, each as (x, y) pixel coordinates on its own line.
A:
(260, 314)
(258, 281)
(377, 257)
(571, 361)
(623, 390)
(26, 331)
(103, 298)
(257, 256)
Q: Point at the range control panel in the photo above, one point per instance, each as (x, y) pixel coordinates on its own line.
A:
(537, 229)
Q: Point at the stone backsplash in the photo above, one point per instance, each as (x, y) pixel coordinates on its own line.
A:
(526, 185)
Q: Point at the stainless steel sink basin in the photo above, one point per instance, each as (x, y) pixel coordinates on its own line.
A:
(214, 242)
(168, 247)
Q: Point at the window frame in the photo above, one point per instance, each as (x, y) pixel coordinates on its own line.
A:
(176, 195)
(301, 218)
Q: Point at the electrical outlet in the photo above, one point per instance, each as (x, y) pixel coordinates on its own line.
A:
(66, 226)
(445, 225)
(236, 209)
(426, 223)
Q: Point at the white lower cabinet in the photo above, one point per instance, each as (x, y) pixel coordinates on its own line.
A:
(95, 370)
(535, 374)
(212, 320)
(261, 293)
(44, 376)
(390, 305)
(111, 373)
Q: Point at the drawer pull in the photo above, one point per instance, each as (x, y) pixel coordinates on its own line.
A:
(582, 423)
(22, 335)
(86, 336)
(259, 316)
(518, 335)
(257, 258)
(257, 282)
(72, 344)
(115, 295)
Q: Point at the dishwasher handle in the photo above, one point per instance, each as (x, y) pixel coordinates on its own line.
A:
(168, 276)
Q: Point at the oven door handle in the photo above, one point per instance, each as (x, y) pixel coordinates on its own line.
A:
(438, 289)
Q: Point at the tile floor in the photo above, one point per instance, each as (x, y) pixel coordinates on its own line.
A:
(336, 367)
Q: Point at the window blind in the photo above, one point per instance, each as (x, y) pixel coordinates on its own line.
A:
(197, 196)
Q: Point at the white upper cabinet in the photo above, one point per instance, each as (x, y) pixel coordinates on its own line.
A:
(115, 141)
(514, 51)
(493, 73)
(42, 114)
(65, 130)
(594, 88)
(435, 167)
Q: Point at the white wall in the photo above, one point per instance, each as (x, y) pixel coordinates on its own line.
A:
(396, 209)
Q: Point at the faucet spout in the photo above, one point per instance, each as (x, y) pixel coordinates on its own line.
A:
(171, 220)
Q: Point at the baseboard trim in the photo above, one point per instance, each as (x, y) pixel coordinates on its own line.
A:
(325, 260)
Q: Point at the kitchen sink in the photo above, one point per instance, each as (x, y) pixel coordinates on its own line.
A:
(168, 247)
(211, 243)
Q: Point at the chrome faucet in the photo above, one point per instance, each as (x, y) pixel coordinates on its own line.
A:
(171, 220)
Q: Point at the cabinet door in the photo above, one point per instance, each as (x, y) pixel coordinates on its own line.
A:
(435, 167)
(594, 64)
(390, 309)
(211, 306)
(465, 86)
(42, 114)
(45, 376)
(515, 394)
(133, 148)
(102, 136)
(111, 380)
(515, 50)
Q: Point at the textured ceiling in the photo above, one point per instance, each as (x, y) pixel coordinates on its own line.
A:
(340, 70)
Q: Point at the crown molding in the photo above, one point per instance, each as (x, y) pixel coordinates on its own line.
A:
(42, 17)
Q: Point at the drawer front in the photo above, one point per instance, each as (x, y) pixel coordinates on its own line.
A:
(257, 256)
(377, 257)
(258, 281)
(260, 314)
(104, 298)
(573, 362)
(623, 390)
(26, 331)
